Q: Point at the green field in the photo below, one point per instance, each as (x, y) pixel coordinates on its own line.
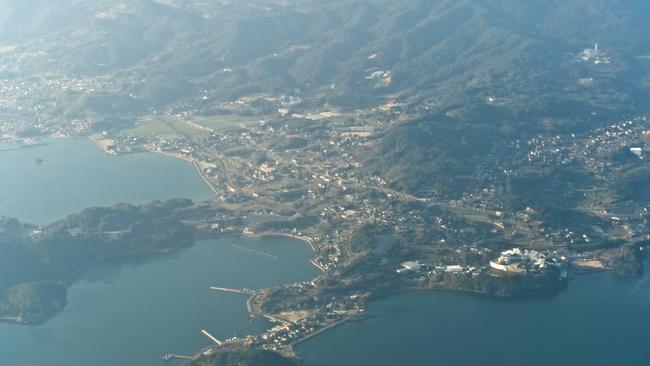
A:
(156, 126)
(225, 121)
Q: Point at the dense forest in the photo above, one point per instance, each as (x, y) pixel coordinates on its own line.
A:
(245, 357)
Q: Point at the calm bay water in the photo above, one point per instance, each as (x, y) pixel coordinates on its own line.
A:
(75, 174)
(132, 312)
(599, 320)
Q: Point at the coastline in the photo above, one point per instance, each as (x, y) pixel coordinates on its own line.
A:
(263, 234)
(148, 252)
(381, 293)
(171, 155)
(384, 294)
(321, 331)
(73, 278)
(305, 239)
(11, 320)
(103, 144)
(204, 177)
(195, 163)
(192, 161)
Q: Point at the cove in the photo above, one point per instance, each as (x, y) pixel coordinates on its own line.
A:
(599, 320)
(44, 183)
(133, 312)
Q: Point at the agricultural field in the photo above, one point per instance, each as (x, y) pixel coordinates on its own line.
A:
(158, 126)
(225, 121)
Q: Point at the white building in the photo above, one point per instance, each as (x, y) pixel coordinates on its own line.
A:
(410, 266)
(594, 55)
(455, 268)
(638, 152)
(516, 260)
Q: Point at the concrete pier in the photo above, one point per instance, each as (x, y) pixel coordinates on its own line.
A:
(243, 291)
(169, 357)
(212, 338)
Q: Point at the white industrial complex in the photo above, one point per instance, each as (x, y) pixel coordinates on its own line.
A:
(516, 260)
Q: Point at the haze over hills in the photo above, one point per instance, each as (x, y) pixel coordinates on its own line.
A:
(443, 53)
(474, 78)
(495, 64)
(387, 133)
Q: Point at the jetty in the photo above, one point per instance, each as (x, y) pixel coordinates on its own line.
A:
(242, 291)
(214, 189)
(11, 319)
(212, 338)
(170, 356)
(320, 331)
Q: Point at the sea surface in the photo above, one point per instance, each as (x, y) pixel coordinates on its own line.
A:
(600, 320)
(132, 312)
(44, 183)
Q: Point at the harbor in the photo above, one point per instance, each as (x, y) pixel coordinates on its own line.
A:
(13, 144)
(172, 325)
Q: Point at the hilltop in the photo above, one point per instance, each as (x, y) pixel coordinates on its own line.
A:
(468, 75)
(440, 53)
